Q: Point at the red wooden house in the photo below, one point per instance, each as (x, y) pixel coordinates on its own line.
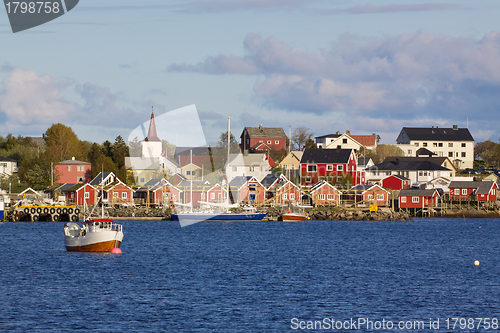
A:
(115, 191)
(159, 192)
(330, 165)
(216, 194)
(260, 139)
(195, 189)
(72, 171)
(246, 188)
(324, 194)
(79, 194)
(368, 195)
(396, 182)
(473, 190)
(418, 198)
(288, 193)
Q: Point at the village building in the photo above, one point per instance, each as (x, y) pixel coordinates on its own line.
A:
(157, 192)
(324, 194)
(153, 162)
(367, 195)
(115, 192)
(346, 141)
(288, 194)
(197, 155)
(332, 165)
(192, 171)
(194, 191)
(72, 171)
(8, 167)
(246, 189)
(290, 164)
(455, 143)
(473, 190)
(217, 194)
(417, 169)
(256, 165)
(261, 139)
(415, 198)
(396, 182)
(79, 194)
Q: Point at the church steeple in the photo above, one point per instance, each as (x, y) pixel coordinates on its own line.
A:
(152, 136)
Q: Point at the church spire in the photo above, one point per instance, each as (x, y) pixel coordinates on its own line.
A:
(152, 136)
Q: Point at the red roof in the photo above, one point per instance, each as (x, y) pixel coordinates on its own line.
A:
(365, 140)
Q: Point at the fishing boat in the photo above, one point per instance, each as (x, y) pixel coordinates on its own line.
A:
(94, 235)
(98, 235)
(293, 217)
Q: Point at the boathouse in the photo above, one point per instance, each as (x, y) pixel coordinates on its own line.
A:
(324, 194)
(415, 198)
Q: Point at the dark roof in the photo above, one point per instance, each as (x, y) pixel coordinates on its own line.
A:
(399, 177)
(269, 179)
(482, 187)
(328, 136)
(265, 132)
(425, 152)
(197, 151)
(404, 164)
(363, 160)
(438, 134)
(418, 192)
(239, 180)
(6, 159)
(334, 156)
(99, 178)
(361, 188)
(73, 162)
(66, 187)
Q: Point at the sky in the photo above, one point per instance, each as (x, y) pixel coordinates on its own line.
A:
(364, 66)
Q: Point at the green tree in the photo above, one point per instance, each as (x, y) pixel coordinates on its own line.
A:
(310, 144)
(119, 151)
(63, 144)
(134, 147)
(170, 148)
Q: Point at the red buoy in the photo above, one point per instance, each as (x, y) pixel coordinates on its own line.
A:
(116, 250)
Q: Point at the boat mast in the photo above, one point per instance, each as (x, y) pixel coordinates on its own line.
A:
(191, 182)
(228, 150)
(102, 190)
(289, 150)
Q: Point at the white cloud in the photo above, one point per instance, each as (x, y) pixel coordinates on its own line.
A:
(30, 99)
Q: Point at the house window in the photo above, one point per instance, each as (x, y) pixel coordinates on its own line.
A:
(72, 195)
(260, 141)
(463, 154)
(457, 191)
(409, 151)
(340, 167)
(424, 144)
(292, 196)
(80, 168)
(464, 191)
(388, 173)
(219, 195)
(285, 196)
(235, 169)
(344, 141)
(86, 195)
(329, 167)
(450, 144)
(463, 145)
(308, 179)
(435, 144)
(115, 194)
(380, 197)
(440, 144)
(124, 195)
(311, 168)
(450, 154)
(415, 199)
(403, 199)
(69, 167)
(80, 179)
(269, 142)
(331, 196)
(416, 144)
(277, 142)
(321, 197)
(440, 153)
(142, 180)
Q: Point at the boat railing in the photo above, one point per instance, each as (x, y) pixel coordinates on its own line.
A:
(116, 226)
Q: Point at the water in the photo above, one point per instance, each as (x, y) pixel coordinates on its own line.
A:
(251, 277)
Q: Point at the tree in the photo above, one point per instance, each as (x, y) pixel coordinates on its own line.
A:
(310, 144)
(119, 150)
(62, 143)
(300, 136)
(170, 148)
(489, 152)
(381, 152)
(135, 149)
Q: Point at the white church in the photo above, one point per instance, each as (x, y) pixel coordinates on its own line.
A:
(153, 162)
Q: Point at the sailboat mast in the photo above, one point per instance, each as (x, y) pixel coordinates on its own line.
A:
(228, 150)
(102, 190)
(289, 150)
(191, 172)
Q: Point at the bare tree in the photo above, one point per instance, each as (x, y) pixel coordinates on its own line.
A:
(300, 136)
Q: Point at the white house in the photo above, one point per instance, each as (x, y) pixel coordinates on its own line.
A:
(8, 166)
(455, 143)
(256, 165)
(346, 141)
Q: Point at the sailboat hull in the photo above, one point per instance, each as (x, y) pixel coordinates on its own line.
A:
(218, 217)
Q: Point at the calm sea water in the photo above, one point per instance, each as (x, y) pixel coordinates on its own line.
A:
(252, 277)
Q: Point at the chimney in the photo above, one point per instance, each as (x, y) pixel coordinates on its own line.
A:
(455, 127)
(397, 161)
(260, 127)
(348, 132)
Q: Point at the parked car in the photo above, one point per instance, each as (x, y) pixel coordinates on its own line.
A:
(471, 171)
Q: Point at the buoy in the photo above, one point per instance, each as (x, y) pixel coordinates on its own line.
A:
(116, 250)
(476, 263)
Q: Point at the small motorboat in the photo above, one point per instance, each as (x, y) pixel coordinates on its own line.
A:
(98, 235)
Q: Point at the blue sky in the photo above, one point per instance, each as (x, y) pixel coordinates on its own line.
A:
(367, 67)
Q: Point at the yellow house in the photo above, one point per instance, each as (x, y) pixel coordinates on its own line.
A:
(292, 161)
(191, 171)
